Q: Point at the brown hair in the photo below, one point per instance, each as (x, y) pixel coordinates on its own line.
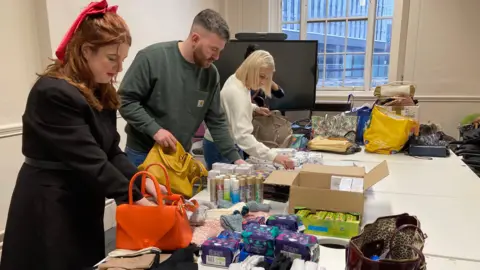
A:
(98, 31)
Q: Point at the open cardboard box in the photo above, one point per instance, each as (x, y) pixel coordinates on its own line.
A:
(311, 188)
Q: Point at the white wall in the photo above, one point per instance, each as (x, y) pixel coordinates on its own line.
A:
(32, 30)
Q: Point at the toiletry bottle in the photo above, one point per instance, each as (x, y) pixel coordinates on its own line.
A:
(242, 187)
(212, 185)
(235, 190)
(250, 192)
(259, 189)
(219, 182)
(226, 189)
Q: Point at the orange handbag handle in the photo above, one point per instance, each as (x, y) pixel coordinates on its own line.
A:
(144, 175)
(176, 198)
(167, 179)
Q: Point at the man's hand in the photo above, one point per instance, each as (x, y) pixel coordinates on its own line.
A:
(240, 161)
(285, 161)
(262, 111)
(165, 139)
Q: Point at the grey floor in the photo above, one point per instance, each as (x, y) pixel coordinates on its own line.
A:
(110, 240)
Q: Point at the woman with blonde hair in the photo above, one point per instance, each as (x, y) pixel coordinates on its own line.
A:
(255, 72)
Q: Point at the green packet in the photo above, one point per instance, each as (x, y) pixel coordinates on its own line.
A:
(339, 217)
(298, 208)
(321, 214)
(303, 213)
(350, 218)
(330, 216)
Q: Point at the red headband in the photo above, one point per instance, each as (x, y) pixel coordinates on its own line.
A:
(93, 8)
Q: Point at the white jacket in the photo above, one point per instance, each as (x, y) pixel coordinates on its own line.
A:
(237, 103)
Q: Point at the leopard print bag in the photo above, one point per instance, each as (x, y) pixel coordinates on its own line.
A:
(391, 242)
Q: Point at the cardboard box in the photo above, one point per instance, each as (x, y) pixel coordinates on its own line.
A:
(278, 191)
(311, 187)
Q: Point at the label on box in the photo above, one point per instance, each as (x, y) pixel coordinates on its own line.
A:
(215, 260)
(291, 255)
(357, 184)
(346, 183)
(335, 182)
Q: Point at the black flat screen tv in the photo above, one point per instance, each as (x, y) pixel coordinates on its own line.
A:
(295, 65)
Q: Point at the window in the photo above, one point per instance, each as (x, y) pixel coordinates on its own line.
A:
(354, 38)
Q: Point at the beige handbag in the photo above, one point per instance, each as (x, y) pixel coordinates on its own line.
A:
(395, 89)
(274, 131)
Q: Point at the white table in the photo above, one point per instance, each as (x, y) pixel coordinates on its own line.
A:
(334, 259)
(450, 223)
(427, 180)
(431, 211)
(443, 192)
(452, 160)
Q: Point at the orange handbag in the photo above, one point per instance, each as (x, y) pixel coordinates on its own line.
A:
(165, 226)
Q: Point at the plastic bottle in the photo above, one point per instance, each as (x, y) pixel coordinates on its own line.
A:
(211, 185)
(226, 189)
(235, 187)
(259, 189)
(250, 190)
(242, 187)
(219, 189)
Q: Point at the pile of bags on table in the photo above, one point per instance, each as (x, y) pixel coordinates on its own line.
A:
(469, 146)
(390, 126)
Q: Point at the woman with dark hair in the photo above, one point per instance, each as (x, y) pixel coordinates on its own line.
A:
(258, 96)
(72, 157)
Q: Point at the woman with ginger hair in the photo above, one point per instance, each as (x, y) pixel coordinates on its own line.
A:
(72, 157)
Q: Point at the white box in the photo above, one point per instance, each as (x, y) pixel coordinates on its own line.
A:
(335, 182)
(357, 184)
(345, 184)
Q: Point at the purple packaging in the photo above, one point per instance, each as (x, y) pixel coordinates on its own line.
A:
(220, 251)
(226, 234)
(297, 246)
(260, 239)
(253, 220)
(284, 222)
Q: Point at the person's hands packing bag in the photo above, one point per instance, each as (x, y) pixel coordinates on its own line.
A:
(184, 171)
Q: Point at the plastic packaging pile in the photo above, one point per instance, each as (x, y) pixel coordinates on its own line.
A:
(298, 157)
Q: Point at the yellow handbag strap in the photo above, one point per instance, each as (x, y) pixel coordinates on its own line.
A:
(203, 172)
(177, 169)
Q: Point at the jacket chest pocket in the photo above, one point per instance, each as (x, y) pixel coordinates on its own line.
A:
(198, 102)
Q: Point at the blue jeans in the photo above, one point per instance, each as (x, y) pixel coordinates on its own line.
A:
(136, 157)
(211, 154)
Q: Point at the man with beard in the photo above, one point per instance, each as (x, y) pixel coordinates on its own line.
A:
(172, 87)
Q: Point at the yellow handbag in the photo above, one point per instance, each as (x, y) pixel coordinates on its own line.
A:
(387, 132)
(182, 168)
